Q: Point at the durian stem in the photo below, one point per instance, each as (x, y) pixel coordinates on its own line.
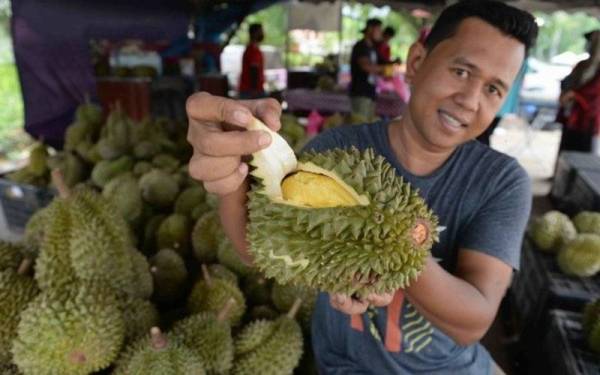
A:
(159, 341)
(224, 313)
(24, 266)
(420, 232)
(78, 357)
(295, 307)
(206, 275)
(59, 182)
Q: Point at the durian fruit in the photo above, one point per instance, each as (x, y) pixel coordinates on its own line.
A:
(211, 294)
(74, 330)
(17, 289)
(263, 312)
(581, 256)
(221, 272)
(189, 199)
(269, 347)
(35, 231)
(100, 243)
(149, 233)
(552, 231)
(228, 256)
(73, 169)
(125, 196)
(160, 355)
(53, 268)
(333, 121)
(257, 289)
(206, 235)
(591, 314)
(339, 221)
(170, 275)
(38, 160)
(106, 170)
(158, 188)
(90, 114)
(593, 338)
(146, 150)
(166, 162)
(9, 369)
(142, 277)
(11, 255)
(284, 296)
(139, 315)
(587, 222)
(88, 152)
(209, 336)
(141, 167)
(174, 233)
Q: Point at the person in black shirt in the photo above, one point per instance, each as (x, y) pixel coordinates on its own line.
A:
(364, 68)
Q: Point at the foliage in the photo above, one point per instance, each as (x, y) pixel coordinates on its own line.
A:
(561, 32)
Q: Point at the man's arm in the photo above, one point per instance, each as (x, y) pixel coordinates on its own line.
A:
(462, 305)
(365, 64)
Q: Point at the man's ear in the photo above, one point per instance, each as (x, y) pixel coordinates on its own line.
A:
(416, 56)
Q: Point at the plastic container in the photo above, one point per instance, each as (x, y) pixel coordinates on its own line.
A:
(20, 201)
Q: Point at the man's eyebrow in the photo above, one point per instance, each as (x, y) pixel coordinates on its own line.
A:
(465, 62)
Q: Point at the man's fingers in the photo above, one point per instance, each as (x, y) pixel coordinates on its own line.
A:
(211, 168)
(231, 143)
(203, 107)
(380, 300)
(267, 110)
(347, 304)
(229, 184)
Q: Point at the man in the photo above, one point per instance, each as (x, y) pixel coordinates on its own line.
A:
(252, 77)
(459, 76)
(364, 69)
(384, 51)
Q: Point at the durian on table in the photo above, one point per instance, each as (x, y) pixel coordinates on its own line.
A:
(338, 221)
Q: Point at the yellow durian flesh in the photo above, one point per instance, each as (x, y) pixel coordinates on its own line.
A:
(315, 190)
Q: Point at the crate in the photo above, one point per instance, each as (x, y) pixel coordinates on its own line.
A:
(20, 201)
(564, 350)
(568, 165)
(585, 193)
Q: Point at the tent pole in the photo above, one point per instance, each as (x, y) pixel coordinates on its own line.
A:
(340, 38)
(287, 39)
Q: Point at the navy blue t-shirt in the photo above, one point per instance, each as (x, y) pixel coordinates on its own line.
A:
(483, 199)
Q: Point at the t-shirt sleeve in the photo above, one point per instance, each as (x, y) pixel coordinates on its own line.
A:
(498, 226)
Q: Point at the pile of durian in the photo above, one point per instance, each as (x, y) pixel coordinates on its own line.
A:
(128, 271)
(575, 242)
(591, 325)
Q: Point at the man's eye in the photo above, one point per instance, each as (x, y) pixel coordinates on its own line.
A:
(494, 90)
(461, 73)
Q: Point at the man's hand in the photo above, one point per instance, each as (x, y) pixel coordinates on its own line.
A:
(219, 139)
(351, 306)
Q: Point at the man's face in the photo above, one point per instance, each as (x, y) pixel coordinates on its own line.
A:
(376, 33)
(459, 86)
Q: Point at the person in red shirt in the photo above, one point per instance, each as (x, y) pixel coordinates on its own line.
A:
(252, 78)
(383, 49)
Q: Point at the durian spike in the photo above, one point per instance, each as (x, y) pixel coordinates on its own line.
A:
(206, 275)
(295, 307)
(78, 357)
(224, 313)
(158, 340)
(58, 181)
(24, 266)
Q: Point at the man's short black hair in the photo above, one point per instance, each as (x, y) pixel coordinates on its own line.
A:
(371, 22)
(389, 31)
(254, 28)
(509, 20)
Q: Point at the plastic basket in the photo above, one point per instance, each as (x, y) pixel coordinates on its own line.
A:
(20, 201)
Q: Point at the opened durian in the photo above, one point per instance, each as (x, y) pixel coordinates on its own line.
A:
(338, 221)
